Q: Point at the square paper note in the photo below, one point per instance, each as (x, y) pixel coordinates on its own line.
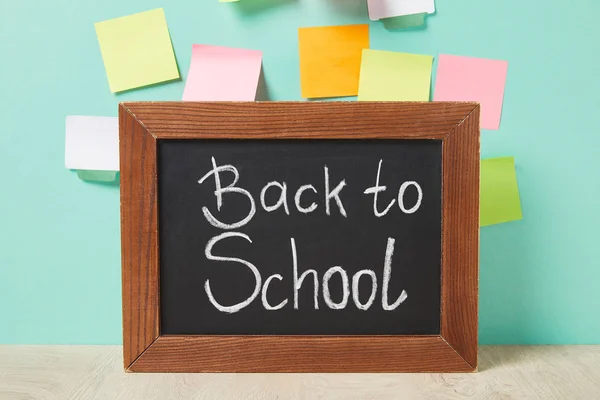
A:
(137, 50)
(473, 79)
(499, 193)
(92, 143)
(391, 76)
(222, 74)
(330, 59)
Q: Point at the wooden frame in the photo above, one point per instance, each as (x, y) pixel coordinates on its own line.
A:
(454, 350)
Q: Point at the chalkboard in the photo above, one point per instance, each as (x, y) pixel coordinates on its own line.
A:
(300, 236)
(353, 236)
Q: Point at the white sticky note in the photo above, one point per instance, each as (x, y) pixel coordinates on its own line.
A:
(379, 9)
(92, 143)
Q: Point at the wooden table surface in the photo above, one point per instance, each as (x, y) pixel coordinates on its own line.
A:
(96, 372)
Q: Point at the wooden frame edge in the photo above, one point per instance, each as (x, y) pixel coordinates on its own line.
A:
(139, 223)
(460, 253)
(312, 120)
(299, 354)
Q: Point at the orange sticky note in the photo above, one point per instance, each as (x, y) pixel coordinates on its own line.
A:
(330, 59)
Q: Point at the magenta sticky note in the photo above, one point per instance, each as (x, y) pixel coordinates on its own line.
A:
(473, 79)
(222, 74)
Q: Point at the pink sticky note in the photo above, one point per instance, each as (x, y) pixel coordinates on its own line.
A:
(473, 79)
(222, 74)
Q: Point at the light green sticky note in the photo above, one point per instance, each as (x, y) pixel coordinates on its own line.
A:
(404, 21)
(227, 1)
(137, 50)
(392, 76)
(98, 176)
(499, 193)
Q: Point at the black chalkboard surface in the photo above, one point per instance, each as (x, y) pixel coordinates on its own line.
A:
(213, 249)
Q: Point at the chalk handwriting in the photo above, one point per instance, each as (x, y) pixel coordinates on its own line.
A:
(255, 271)
(282, 197)
(349, 285)
(219, 191)
(313, 205)
(297, 281)
(334, 194)
(375, 190)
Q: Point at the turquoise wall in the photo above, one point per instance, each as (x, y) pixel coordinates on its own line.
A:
(59, 236)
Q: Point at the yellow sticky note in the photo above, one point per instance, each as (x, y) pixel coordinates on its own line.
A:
(392, 76)
(330, 59)
(499, 193)
(137, 50)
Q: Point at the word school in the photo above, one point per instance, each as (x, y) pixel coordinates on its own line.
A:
(330, 194)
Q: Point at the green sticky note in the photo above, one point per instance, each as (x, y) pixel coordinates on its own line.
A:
(137, 50)
(227, 1)
(404, 21)
(392, 76)
(499, 193)
(97, 176)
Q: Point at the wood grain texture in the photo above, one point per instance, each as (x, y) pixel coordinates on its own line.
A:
(96, 373)
(460, 237)
(139, 239)
(316, 120)
(456, 124)
(300, 354)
